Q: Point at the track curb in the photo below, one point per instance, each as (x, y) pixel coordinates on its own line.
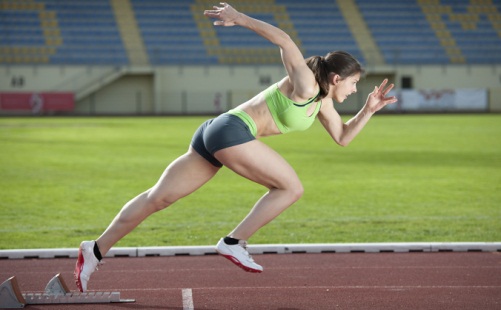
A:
(265, 249)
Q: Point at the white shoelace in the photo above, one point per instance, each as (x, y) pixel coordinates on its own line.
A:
(243, 244)
(99, 264)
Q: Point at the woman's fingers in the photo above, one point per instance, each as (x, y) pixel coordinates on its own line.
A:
(383, 84)
(387, 90)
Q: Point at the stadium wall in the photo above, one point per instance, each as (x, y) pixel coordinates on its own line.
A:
(211, 89)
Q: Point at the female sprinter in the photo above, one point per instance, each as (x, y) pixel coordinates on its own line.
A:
(232, 140)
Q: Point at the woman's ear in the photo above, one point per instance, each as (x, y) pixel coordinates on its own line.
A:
(334, 78)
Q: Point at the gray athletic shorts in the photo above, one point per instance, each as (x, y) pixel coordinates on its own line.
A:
(218, 133)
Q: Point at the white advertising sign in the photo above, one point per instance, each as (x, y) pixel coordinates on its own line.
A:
(440, 100)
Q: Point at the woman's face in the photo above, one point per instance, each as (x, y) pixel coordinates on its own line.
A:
(344, 87)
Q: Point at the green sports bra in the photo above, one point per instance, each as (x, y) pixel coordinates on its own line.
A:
(287, 114)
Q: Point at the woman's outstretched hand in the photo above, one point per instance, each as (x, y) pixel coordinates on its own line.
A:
(226, 14)
(377, 99)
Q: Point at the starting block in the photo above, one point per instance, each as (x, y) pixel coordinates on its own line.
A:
(56, 292)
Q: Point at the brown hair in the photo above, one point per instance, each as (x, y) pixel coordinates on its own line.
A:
(338, 62)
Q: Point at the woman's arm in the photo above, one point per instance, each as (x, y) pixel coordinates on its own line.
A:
(299, 73)
(344, 133)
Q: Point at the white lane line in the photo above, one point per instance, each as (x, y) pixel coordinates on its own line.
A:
(187, 299)
(7, 273)
(340, 287)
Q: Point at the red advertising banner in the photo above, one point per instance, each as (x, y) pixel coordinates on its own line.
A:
(37, 102)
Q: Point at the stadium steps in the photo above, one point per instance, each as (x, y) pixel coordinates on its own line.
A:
(99, 83)
(239, 46)
(463, 31)
(89, 33)
(82, 32)
(34, 32)
(402, 32)
(360, 32)
(494, 16)
(170, 33)
(129, 32)
(433, 11)
(321, 27)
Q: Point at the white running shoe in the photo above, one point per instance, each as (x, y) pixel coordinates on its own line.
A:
(238, 255)
(86, 264)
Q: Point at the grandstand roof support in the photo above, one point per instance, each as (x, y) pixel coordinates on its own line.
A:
(129, 31)
(361, 32)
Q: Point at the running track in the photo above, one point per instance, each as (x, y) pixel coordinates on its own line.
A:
(440, 280)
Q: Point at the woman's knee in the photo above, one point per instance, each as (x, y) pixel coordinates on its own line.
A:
(296, 191)
(293, 189)
(158, 202)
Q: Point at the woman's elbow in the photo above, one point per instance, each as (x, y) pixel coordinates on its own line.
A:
(283, 40)
(342, 142)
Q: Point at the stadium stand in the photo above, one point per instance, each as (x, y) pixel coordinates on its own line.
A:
(171, 36)
(476, 30)
(60, 32)
(321, 27)
(435, 31)
(402, 32)
(169, 32)
(86, 32)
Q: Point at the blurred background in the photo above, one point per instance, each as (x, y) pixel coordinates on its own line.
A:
(163, 57)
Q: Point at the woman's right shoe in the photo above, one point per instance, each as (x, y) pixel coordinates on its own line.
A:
(238, 255)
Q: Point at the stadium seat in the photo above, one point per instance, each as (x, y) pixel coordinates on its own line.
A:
(176, 32)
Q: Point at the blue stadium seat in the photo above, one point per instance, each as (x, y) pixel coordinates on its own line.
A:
(405, 36)
(402, 32)
(169, 32)
(321, 27)
(88, 32)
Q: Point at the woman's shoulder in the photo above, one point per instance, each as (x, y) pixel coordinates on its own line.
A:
(285, 86)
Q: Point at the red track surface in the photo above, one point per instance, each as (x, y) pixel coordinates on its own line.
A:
(455, 280)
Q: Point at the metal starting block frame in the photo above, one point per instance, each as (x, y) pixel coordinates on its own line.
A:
(56, 292)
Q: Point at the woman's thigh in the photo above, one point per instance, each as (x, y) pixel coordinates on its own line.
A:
(182, 177)
(258, 162)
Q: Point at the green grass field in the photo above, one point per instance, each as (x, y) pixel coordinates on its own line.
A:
(405, 178)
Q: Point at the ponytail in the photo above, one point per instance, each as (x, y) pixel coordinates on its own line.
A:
(338, 62)
(317, 65)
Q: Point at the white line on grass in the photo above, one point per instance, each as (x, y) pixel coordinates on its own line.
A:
(187, 299)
